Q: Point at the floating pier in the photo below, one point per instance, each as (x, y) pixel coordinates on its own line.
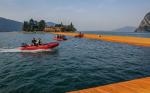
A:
(133, 86)
(138, 41)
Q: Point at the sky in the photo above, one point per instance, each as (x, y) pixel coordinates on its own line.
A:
(86, 15)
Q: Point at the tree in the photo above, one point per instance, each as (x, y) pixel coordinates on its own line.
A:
(70, 28)
(25, 26)
(41, 25)
(58, 25)
(62, 24)
(31, 25)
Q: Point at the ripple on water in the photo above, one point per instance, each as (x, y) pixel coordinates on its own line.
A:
(75, 64)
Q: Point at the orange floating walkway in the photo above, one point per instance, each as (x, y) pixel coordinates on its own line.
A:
(133, 86)
(139, 41)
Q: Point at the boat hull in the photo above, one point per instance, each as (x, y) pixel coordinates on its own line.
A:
(38, 47)
(59, 39)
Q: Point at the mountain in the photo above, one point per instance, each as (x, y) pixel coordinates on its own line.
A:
(125, 29)
(9, 25)
(50, 24)
(145, 24)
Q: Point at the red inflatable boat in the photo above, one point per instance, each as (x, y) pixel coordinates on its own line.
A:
(59, 39)
(43, 46)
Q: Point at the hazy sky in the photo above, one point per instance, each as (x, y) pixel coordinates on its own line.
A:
(85, 14)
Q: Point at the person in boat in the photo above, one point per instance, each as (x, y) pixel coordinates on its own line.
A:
(99, 35)
(39, 42)
(34, 42)
(57, 36)
(80, 35)
(64, 37)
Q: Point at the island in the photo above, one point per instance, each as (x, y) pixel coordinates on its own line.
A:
(33, 25)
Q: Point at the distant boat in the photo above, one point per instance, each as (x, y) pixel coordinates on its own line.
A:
(60, 38)
(80, 35)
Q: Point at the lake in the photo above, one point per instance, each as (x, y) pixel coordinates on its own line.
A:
(76, 64)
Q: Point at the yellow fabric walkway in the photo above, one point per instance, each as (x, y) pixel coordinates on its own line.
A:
(139, 41)
(133, 86)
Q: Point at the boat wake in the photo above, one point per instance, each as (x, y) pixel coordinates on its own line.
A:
(15, 50)
(10, 50)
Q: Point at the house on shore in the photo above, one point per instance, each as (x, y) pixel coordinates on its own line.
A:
(54, 29)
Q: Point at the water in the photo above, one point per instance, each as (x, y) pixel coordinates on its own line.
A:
(124, 33)
(75, 64)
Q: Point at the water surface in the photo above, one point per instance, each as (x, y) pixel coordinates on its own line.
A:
(75, 64)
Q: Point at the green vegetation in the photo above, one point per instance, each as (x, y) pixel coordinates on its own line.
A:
(33, 25)
(70, 28)
(67, 28)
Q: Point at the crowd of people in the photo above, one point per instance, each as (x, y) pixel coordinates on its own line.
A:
(61, 37)
(34, 42)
